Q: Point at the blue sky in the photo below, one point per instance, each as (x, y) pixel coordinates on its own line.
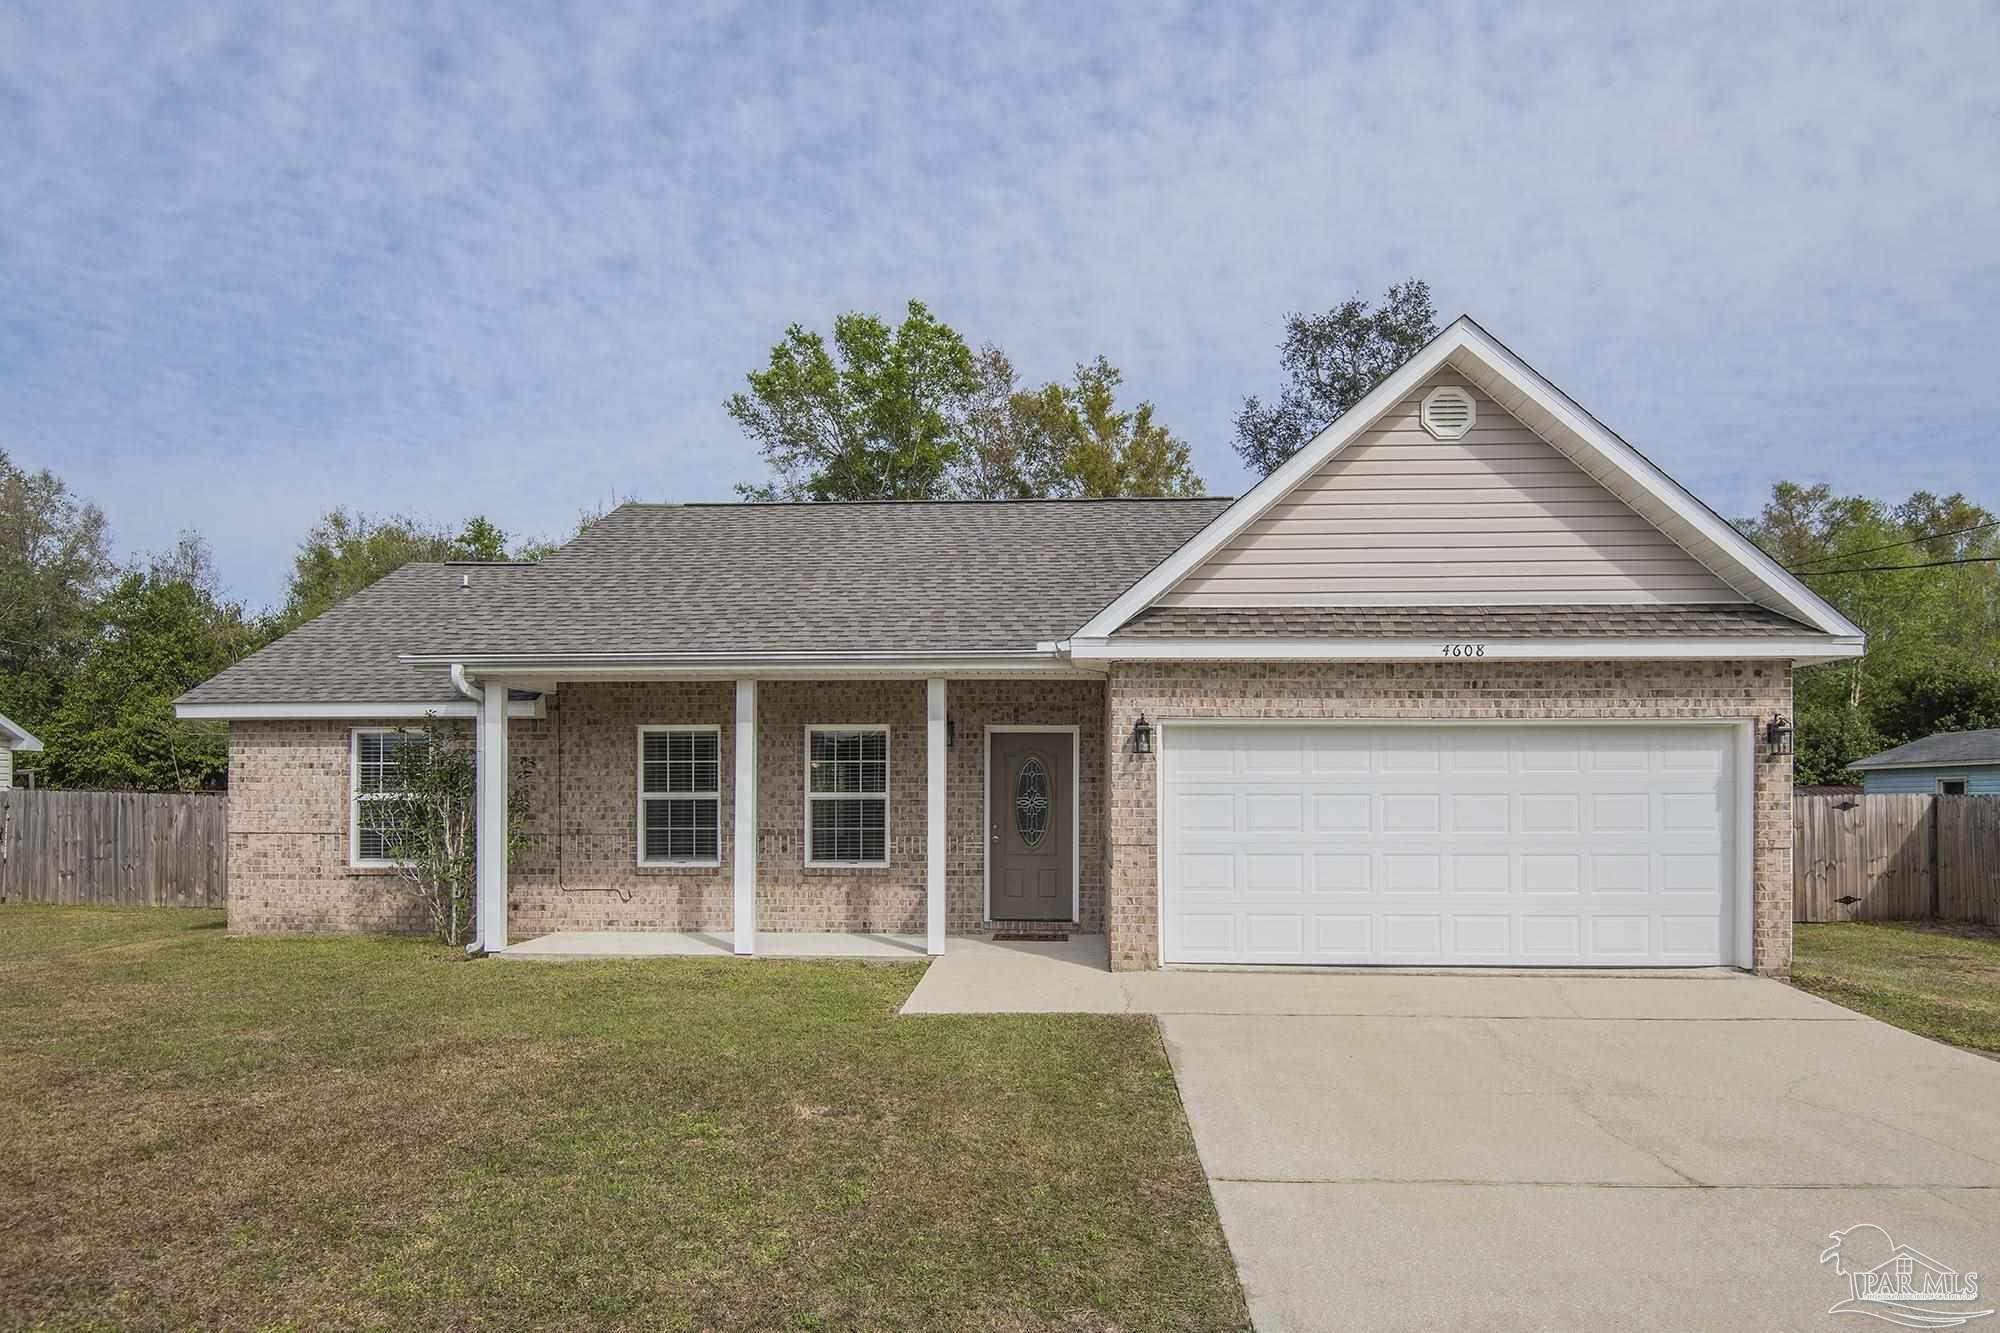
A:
(259, 261)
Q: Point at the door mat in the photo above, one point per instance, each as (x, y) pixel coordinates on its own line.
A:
(1029, 936)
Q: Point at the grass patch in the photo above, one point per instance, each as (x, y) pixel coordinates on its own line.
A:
(1942, 981)
(370, 1133)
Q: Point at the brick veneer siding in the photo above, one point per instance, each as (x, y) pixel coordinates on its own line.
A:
(577, 867)
(1436, 691)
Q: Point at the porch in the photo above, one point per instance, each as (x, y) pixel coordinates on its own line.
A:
(788, 814)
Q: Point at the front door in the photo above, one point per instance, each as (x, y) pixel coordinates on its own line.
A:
(1031, 876)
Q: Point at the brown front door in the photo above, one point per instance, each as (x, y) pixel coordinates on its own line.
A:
(1032, 871)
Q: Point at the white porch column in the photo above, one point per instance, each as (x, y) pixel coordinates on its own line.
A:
(746, 816)
(936, 834)
(489, 896)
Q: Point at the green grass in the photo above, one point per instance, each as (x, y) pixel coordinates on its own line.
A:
(202, 1131)
(1938, 980)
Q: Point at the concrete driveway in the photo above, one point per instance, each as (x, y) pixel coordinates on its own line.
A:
(1395, 1151)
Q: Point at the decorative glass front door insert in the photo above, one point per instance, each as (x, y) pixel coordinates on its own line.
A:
(1031, 803)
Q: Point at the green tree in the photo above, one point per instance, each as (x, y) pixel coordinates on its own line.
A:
(1926, 627)
(55, 563)
(163, 631)
(877, 417)
(1094, 450)
(1330, 361)
(346, 551)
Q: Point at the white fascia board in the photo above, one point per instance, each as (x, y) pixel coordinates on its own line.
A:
(1771, 577)
(1465, 339)
(1471, 649)
(17, 736)
(360, 711)
(1863, 766)
(645, 666)
(1251, 505)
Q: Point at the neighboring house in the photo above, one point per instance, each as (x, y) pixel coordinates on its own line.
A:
(13, 736)
(1951, 763)
(1466, 681)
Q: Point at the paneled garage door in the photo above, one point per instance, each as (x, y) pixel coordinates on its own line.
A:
(1579, 845)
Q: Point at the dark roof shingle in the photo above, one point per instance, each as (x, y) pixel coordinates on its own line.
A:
(1726, 620)
(1947, 747)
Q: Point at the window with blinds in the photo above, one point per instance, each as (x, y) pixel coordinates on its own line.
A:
(380, 779)
(847, 796)
(680, 803)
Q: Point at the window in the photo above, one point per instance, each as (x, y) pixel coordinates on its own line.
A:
(680, 805)
(379, 778)
(1951, 786)
(847, 796)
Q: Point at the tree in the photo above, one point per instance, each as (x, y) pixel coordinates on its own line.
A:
(163, 631)
(430, 828)
(882, 420)
(1933, 633)
(1086, 447)
(346, 551)
(1331, 360)
(55, 562)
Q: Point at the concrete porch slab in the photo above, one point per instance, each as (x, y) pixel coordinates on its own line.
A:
(574, 944)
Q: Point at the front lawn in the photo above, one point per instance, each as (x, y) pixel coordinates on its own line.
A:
(1939, 980)
(364, 1133)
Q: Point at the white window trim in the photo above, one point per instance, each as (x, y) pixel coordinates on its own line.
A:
(806, 780)
(639, 782)
(355, 860)
(1937, 783)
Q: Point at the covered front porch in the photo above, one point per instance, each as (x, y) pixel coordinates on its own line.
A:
(792, 813)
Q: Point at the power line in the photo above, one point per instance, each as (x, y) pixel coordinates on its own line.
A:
(1883, 569)
(1907, 541)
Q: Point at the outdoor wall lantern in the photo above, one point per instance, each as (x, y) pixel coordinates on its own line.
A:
(1142, 736)
(950, 733)
(1778, 735)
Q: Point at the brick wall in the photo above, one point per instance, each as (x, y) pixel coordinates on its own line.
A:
(578, 866)
(1436, 691)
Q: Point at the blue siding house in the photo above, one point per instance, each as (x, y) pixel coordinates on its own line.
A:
(1951, 763)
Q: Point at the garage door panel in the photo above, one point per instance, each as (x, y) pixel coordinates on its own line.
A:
(1449, 844)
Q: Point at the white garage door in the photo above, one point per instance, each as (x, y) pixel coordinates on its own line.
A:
(1585, 845)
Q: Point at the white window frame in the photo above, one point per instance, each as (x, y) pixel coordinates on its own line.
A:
(355, 797)
(1964, 782)
(639, 781)
(812, 797)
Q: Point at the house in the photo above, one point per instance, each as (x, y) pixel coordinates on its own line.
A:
(1951, 763)
(13, 736)
(1468, 680)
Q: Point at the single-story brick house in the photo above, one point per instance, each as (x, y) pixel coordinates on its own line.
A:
(1466, 681)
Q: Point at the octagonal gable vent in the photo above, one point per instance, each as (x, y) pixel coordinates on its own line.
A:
(1448, 412)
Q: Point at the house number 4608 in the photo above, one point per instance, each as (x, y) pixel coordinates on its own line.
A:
(1465, 650)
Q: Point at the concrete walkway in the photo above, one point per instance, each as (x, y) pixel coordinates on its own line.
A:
(573, 944)
(1544, 1151)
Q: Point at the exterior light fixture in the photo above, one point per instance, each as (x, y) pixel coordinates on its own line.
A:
(1142, 736)
(950, 733)
(1778, 735)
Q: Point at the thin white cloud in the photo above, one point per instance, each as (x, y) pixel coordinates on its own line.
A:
(259, 263)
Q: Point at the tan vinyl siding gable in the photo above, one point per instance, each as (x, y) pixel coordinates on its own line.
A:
(1399, 518)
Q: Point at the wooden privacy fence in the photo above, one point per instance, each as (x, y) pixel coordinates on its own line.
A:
(1896, 858)
(113, 848)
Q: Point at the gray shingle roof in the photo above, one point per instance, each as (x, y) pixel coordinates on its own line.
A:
(1947, 747)
(830, 578)
(1712, 621)
(350, 653)
(958, 578)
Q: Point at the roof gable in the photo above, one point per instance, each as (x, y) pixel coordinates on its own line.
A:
(1464, 349)
(1401, 518)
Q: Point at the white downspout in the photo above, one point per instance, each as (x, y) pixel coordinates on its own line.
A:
(462, 685)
